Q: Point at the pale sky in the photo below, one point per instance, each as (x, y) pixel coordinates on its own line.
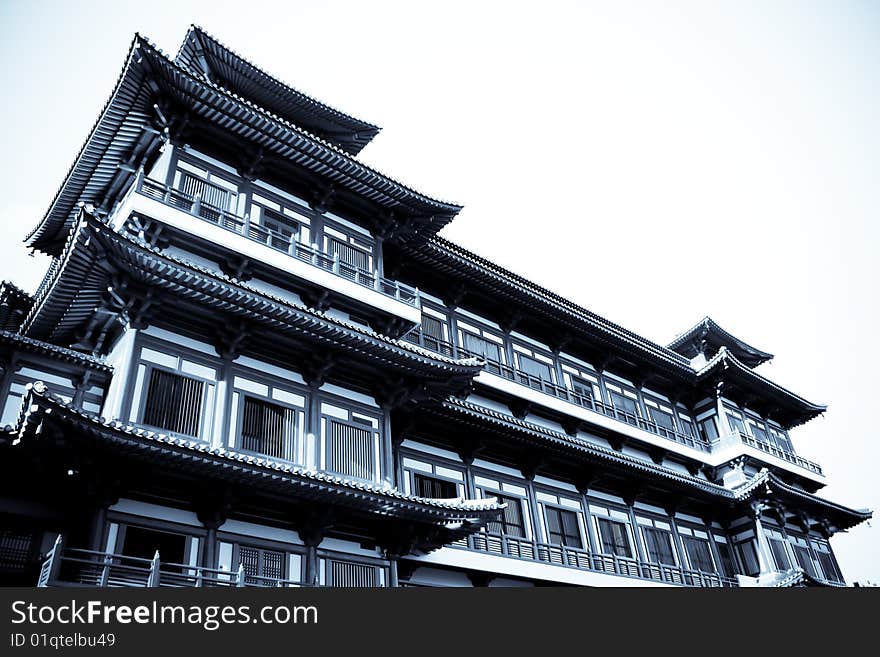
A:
(654, 162)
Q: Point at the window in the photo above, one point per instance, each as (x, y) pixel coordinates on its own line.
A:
(352, 575)
(725, 554)
(174, 402)
(482, 347)
(759, 432)
(661, 418)
(432, 487)
(614, 537)
(562, 527)
(827, 562)
(686, 426)
(351, 251)
(434, 335)
(282, 229)
(748, 555)
(511, 522)
(581, 388)
(710, 429)
(805, 559)
(782, 440)
(350, 450)
(623, 403)
(261, 567)
(534, 367)
(211, 189)
(16, 549)
(699, 554)
(658, 544)
(777, 549)
(736, 423)
(268, 428)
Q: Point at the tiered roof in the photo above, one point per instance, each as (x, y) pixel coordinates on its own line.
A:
(204, 55)
(39, 406)
(14, 305)
(69, 297)
(125, 136)
(707, 337)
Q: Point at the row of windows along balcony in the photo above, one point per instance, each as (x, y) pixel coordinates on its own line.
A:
(274, 221)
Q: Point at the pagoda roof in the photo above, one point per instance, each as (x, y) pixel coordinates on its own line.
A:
(78, 283)
(781, 404)
(14, 304)
(125, 134)
(448, 258)
(192, 455)
(203, 55)
(18, 341)
(707, 337)
(762, 484)
(768, 486)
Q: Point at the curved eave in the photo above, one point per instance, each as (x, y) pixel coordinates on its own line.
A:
(447, 256)
(119, 127)
(127, 115)
(597, 453)
(708, 329)
(264, 473)
(23, 343)
(250, 81)
(765, 484)
(76, 289)
(15, 303)
(792, 409)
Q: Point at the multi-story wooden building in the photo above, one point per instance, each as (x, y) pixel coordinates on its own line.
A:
(253, 361)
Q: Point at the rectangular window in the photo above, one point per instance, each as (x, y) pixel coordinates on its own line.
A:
(699, 554)
(352, 254)
(828, 564)
(661, 418)
(534, 368)
(624, 404)
(614, 538)
(805, 559)
(562, 527)
(728, 565)
(268, 428)
(174, 403)
(482, 347)
(281, 229)
(782, 441)
(214, 192)
(581, 388)
(736, 424)
(16, 549)
(432, 487)
(748, 555)
(659, 546)
(709, 428)
(434, 335)
(511, 522)
(261, 567)
(350, 450)
(759, 433)
(348, 574)
(780, 554)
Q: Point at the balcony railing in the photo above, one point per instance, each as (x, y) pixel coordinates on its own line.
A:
(85, 568)
(195, 205)
(776, 451)
(561, 555)
(561, 392)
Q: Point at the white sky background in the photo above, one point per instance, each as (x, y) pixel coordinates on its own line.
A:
(654, 162)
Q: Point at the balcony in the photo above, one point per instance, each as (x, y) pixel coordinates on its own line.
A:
(72, 567)
(560, 392)
(570, 557)
(735, 436)
(329, 270)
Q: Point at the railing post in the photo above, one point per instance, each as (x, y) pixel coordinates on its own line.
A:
(54, 560)
(240, 581)
(196, 208)
(246, 224)
(139, 179)
(315, 253)
(105, 571)
(199, 577)
(336, 263)
(153, 579)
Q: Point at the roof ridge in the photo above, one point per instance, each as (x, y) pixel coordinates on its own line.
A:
(199, 30)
